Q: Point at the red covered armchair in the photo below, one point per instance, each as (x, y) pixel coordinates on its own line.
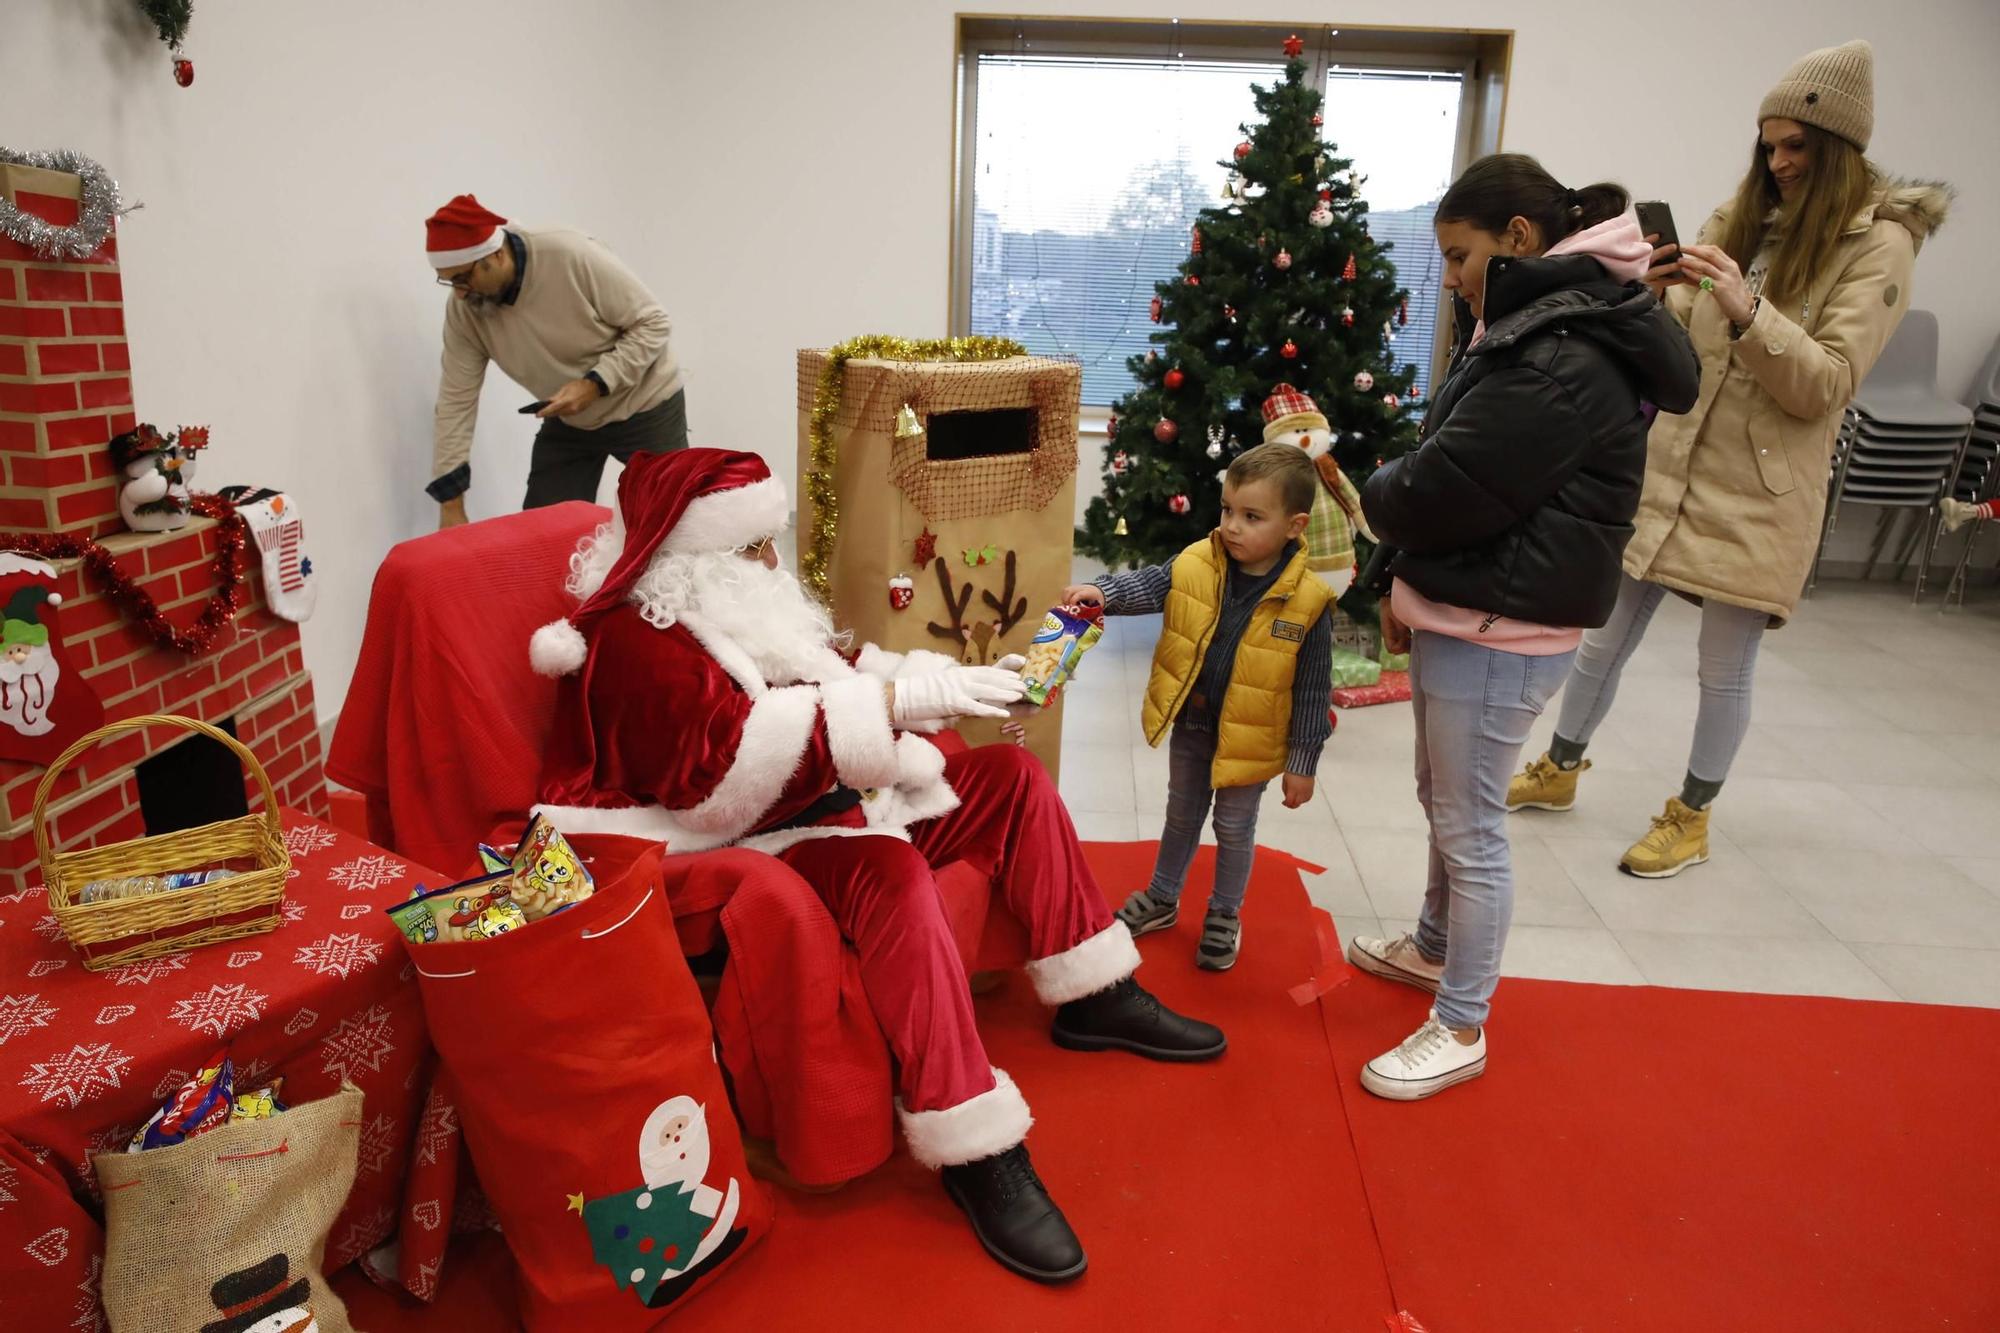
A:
(442, 734)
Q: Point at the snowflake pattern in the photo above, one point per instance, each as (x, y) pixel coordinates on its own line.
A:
(378, 1141)
(10, 1179)
(114, 1139)
(77, 1075)
(365, 874)
(221, 1010)
(360, 1237)
(338, 955)
(439, 1129)
(359, 1044)
(424, 1287)
(22, 1014)
(89, 1307)
(302, 840)
(145, 972)
(293, 911)
(48, 928)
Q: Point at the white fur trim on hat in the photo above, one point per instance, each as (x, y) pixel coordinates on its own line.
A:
(442, 259)
(726, 520)
(1099, 963)
(857, 731)
(557, 649)
(977, 1128)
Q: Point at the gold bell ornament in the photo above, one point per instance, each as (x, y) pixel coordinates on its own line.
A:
(907, 425)
(1120, 529)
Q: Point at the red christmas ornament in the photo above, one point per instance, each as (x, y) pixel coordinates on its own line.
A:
(1391, 401)
(1347, 317)
(1294, 47)
(1349, 272)
(1173, 379)
(1242, 150)
(925, 547)
(1194, 280)
(1120, 461)
(902, 591)
(1110, 432)
(1403, 312)
(1318, 120)
(1156, 310)
(1194, 246)
(1229, 313)
(1325, 195)
(1283, 259)
(1180, 504)
(184, 72)
(1165, 431)
(1290, 351)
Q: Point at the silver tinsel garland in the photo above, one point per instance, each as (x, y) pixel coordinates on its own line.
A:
(100, 204)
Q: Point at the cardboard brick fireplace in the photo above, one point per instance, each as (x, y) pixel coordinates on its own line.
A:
(65, 389)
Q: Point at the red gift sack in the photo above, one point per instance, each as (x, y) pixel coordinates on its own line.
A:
(593, 1107)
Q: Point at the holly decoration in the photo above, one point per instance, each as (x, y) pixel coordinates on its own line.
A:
(1276, 301)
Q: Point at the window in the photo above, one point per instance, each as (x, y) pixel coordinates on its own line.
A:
(1089, 147)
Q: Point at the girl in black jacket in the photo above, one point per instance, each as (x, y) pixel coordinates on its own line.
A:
(1502, 534)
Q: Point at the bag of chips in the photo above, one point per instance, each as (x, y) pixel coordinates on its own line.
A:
(1066, 634)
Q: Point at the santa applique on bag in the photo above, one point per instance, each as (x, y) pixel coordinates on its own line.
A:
(262, 1298)
(45, 704)
(658, 1239)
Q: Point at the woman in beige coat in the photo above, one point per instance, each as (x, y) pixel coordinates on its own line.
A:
(1789, 298)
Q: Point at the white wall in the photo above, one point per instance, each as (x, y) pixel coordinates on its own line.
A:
(779, 173)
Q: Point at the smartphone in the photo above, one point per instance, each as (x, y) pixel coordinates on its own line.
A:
(1656, 219)
(534, 407)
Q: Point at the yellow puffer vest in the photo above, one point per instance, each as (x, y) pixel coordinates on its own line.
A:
(1255, 722)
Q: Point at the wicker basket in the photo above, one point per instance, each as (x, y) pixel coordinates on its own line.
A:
(127, 930)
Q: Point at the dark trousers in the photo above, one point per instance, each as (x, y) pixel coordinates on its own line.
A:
(568, 463)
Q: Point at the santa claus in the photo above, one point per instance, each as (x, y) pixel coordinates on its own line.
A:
(703, 703)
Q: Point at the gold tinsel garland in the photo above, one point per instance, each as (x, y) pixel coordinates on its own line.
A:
(818, 551)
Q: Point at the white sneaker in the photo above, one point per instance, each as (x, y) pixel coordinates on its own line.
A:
(1430, 1060)
(1395, 960)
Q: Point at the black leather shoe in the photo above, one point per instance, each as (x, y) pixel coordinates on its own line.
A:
(1014, 1217)
(1129, 1018)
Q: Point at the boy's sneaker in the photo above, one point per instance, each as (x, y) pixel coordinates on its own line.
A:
(1430, 1060)
(1545, 785)
(1220, 932)
(1395, 960)
(1143, 912)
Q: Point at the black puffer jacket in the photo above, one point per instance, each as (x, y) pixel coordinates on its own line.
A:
(1519, 499)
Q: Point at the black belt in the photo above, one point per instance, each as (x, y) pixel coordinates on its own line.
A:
(838, 801)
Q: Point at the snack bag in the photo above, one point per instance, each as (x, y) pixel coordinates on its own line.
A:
(478, 909)
(1066, 634)
(546, 874)
(259, 1105)
(201, 1103)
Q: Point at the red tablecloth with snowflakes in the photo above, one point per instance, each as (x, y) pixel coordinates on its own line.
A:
(86, 1057)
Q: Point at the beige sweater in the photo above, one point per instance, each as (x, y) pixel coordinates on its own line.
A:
(579, 310)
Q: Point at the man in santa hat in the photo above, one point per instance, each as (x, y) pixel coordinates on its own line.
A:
(702, 703)
(568, 323)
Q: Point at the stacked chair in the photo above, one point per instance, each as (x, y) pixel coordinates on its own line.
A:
(1979, 479)
(1901, 447)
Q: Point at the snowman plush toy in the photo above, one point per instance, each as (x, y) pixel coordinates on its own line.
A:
(1291, 417)
(154, 473)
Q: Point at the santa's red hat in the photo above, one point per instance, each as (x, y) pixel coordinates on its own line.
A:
(687, 502)
(461, 232)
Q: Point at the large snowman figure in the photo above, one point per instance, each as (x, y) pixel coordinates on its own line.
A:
(1291, 417)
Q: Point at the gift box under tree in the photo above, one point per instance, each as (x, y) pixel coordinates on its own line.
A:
(937, 498)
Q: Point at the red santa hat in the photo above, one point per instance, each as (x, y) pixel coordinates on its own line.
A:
(461, 232)
(686, 502)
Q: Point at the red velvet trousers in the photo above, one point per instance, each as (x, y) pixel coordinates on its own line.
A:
(884, 895)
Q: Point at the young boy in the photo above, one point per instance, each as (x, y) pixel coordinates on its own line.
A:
(1242, 673)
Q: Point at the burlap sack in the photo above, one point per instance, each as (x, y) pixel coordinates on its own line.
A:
(228, 1229)
(1001, 523)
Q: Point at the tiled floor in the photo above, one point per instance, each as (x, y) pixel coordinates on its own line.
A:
(1856, 850)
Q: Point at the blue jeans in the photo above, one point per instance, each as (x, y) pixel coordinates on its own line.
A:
(1474, 708)
(1190, 760)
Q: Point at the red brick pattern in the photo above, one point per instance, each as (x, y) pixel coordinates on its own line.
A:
(258, 677)
(65, 372)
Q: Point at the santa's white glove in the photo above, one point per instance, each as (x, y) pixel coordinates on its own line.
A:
(1012, 662)
(962, 691)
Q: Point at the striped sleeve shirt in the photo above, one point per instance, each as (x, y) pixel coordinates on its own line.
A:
(1144, 590)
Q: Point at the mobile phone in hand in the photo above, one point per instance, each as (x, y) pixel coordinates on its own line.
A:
(534, 407)
(1656, 219)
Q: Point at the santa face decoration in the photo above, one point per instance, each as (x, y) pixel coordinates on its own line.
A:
(43, 706)
(653, 1237)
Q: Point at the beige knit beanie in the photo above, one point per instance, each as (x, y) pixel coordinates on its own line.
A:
(1833, 88)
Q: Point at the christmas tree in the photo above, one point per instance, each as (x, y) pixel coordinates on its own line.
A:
(1283, 285)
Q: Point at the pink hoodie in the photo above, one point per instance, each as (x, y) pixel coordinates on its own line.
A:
(1621, 248)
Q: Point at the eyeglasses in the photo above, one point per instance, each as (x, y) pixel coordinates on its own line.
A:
(463, 282)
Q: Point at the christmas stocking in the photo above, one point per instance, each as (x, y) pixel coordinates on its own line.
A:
(45, 703)
(280, 536)
(1958, 513)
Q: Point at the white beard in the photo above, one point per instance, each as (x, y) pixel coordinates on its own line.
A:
(26, 690)
(765, 612)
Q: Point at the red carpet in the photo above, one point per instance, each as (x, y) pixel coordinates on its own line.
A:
(1637, 1159)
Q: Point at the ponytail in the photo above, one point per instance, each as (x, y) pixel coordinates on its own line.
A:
(1497, 189)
